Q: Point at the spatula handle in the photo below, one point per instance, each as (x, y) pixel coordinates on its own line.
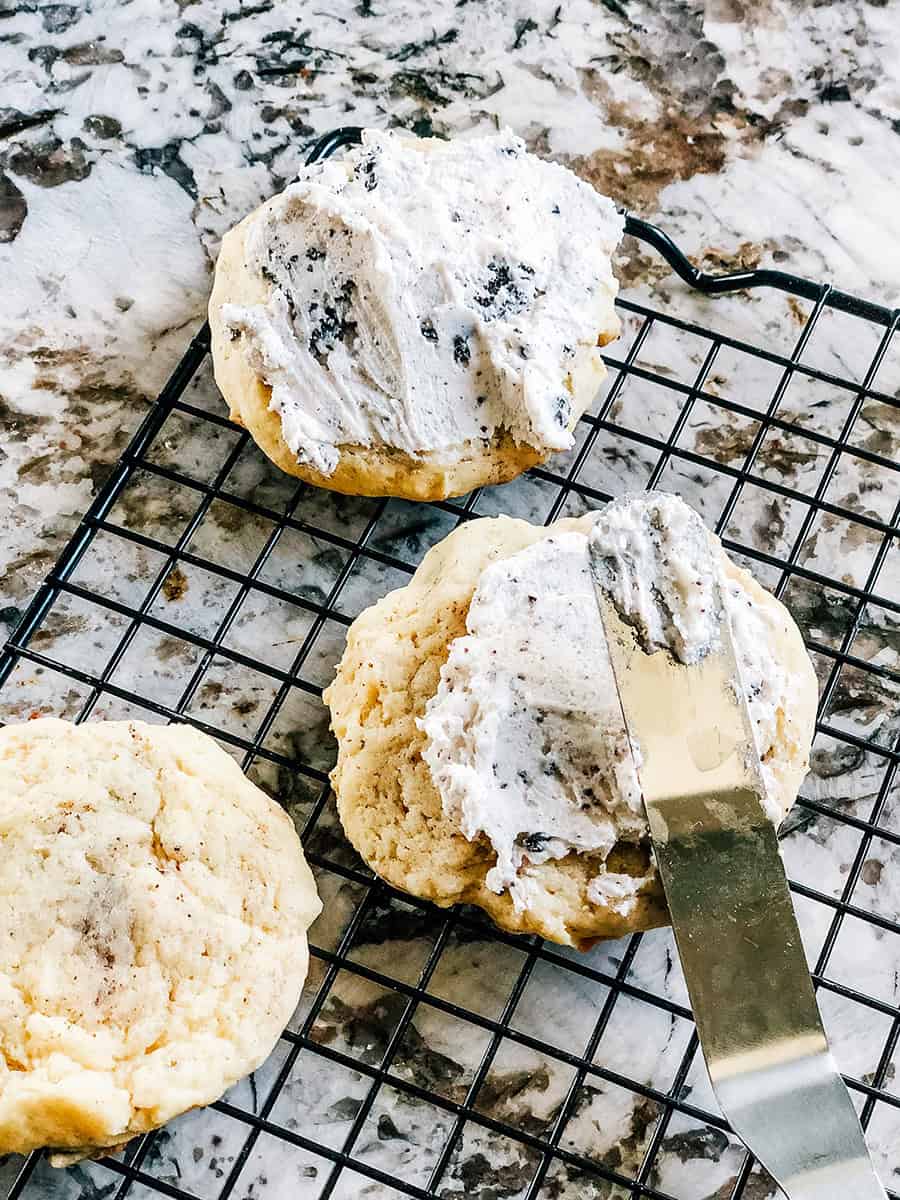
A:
(752, 998)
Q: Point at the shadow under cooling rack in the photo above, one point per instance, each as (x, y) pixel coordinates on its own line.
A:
(433, 1056)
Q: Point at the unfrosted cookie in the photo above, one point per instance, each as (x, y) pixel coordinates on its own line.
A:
(418, 317)
(154, 906)
(450, 724)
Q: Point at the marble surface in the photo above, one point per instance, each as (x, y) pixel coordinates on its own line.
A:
(131, 136)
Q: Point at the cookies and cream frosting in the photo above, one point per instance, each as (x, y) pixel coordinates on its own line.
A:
(525, 738)
(654, 565)
(422, 295)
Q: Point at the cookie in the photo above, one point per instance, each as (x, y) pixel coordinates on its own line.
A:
(404, 737)
(154, 906)
(417, 318)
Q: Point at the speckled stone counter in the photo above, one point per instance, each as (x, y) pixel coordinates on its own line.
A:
(131, 137)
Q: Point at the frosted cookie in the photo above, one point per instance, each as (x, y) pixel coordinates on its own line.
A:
(154, 907)
(418, 317)
(482, 752)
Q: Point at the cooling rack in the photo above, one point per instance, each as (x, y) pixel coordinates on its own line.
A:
(433, 1056)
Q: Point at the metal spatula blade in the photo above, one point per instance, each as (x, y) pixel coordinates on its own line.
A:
(737, 935)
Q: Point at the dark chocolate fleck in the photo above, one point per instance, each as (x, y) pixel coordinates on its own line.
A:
(501, 293)
(365, 170)
(335, 325)
(535, 842)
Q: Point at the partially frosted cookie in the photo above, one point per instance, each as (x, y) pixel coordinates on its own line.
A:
(418, 317)
(482, 753)
(154, 907)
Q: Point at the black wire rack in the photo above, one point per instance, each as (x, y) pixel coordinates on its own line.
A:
(433, 1056)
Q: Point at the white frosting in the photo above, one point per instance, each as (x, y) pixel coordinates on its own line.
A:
(525, 738)
(526, 741)
(617, 892)
(655, 568)
(423, 295)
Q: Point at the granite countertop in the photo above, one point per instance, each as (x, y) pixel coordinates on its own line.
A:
(132, 135)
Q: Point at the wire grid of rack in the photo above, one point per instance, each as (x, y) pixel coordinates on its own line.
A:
(188, 469)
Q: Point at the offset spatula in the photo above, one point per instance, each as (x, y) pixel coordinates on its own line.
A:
(731, 910)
